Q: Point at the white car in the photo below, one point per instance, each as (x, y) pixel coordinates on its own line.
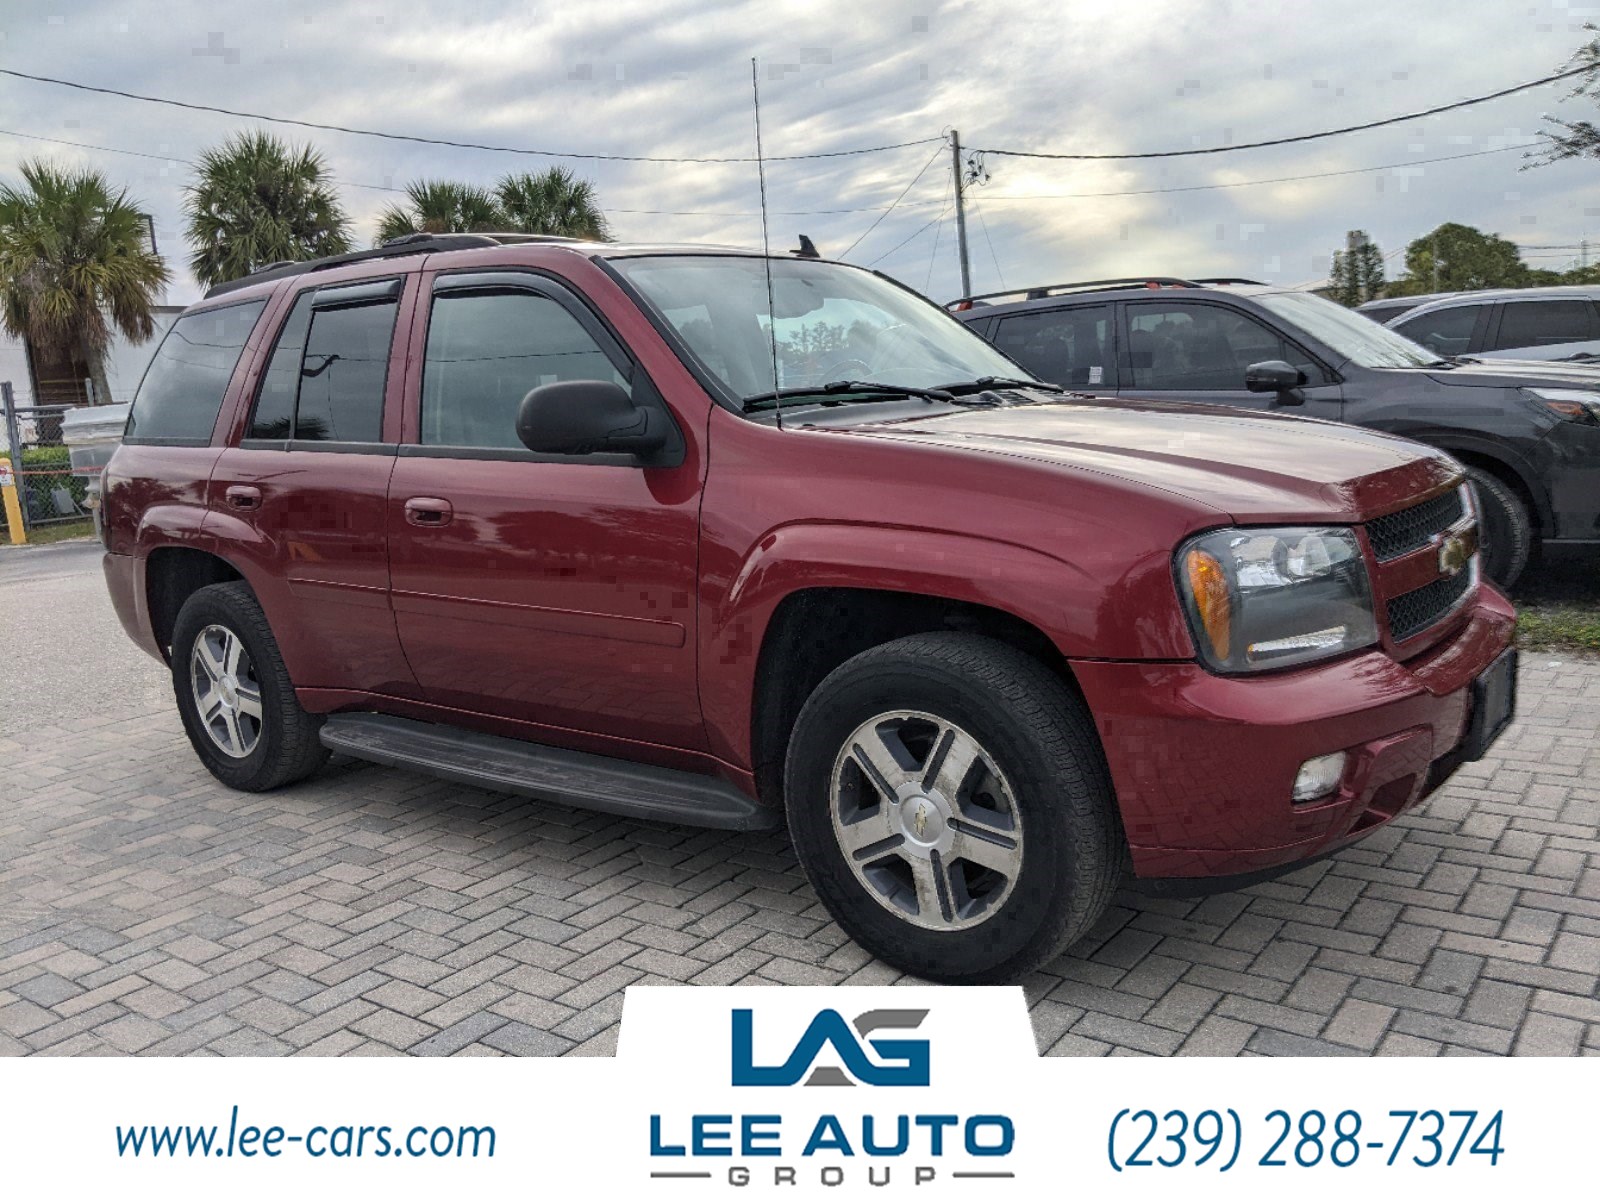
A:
(1552, 324)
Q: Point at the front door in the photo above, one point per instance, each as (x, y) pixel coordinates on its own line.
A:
(557, 591)
(1198, 353)
(310, 478)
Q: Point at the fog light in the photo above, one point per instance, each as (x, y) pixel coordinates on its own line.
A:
(1319, 776)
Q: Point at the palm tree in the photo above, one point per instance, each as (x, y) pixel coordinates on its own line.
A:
(259, 200)
(441, 206)
(74, 262)
(554, 201)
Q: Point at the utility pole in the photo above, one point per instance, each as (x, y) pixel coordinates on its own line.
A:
(961, 215)
(1436, 260)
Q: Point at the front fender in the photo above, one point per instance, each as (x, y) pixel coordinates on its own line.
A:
(1133, 614)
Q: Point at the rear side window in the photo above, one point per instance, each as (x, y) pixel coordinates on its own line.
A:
(182, 391)
(280, 384)
(1070, 346)
(1545, 323)
(343, 373)
(1446, 331)
(486, 351)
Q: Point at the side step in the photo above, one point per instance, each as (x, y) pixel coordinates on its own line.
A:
(546, 773)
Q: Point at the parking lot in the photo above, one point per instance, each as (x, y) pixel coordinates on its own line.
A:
(146, 909)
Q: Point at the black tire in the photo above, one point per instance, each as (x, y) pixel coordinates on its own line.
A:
(1505, 531)
(287, 747)
(1038, 733)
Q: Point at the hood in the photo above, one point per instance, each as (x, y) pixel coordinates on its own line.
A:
(1502, 372)
(1254, 467)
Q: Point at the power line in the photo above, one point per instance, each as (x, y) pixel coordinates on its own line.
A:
(987, 238)
(897, 200)
(912, 238)
(1305, 137)
(429, 141)
(1209, 187)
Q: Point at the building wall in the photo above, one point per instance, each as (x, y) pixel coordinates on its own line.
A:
(125, 361)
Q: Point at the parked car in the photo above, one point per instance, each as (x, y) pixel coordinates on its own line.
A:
(1552, 324)
(1527, 433)
(1387, 309)
(573, 521)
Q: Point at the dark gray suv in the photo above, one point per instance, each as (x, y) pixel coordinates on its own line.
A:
(1528, 432)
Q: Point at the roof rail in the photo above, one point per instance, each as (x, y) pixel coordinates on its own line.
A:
(411, 243)
(1090, 285)
(1231, 279)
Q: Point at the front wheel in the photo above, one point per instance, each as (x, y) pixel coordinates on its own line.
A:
(949, 800)
(1504, 527)
(234, 694)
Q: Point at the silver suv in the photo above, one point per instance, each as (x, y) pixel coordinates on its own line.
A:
(1553, 324)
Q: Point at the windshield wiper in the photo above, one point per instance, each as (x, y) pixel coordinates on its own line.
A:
(994, 381)
(837, 393)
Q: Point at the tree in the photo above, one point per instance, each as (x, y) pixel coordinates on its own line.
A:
(1574, 139)
(554, 201)
(1357, 274)
(1459, 258)
(74, 263)
(549, 202)
(259, 200)
(441, 206)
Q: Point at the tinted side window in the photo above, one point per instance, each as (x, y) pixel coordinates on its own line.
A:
(1545, 323)
(486, 351)
(1447, 331)
(280, 383)
(1070, 346)
(182, 391)
(343, 373)
(1203, 348)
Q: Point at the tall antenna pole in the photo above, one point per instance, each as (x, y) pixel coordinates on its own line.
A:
(766, 247)
(961, 215)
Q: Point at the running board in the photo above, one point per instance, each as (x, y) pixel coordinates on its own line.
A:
(504, 764)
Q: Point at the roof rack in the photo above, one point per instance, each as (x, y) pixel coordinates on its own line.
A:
(1090, 285)
(1225, 279)
(411, 243)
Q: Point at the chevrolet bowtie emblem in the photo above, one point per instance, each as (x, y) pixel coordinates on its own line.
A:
(921, 820)
(1456, 551)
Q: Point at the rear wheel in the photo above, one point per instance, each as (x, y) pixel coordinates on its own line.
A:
(949, 801)
(1505, 529)
(234, 694)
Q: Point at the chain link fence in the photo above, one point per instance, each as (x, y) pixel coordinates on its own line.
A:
(47, 489)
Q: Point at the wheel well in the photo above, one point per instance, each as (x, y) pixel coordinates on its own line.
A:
(816, 630)
(1508, 476)
(172, 575)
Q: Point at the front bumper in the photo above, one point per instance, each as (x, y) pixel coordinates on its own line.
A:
(1203, 764)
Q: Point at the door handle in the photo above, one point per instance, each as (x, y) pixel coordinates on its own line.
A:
(428, 511)
(241, 495)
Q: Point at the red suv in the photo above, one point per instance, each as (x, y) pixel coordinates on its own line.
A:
(720, 539)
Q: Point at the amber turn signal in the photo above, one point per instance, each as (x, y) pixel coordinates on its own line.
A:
(1208, 584)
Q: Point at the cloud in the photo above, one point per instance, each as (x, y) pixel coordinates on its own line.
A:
(671, 78)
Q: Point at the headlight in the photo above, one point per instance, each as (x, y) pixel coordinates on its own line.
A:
(1265, 598)
(1569, 403)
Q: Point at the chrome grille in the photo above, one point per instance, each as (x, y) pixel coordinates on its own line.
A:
(1412, 612)
(1412, 528)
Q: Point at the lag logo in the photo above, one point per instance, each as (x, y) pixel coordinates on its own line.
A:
(898, 1061)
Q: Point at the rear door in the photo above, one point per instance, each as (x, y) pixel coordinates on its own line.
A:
(1197, 352)
(1546, 327)
(303, 497)
(558, 591)
(1074, 347)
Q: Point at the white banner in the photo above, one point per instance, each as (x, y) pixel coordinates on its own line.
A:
(795, 1092)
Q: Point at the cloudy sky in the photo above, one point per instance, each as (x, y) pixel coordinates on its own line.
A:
(671, 78)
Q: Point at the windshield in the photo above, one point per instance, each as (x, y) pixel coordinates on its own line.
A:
(1353, 337)
(834, 323)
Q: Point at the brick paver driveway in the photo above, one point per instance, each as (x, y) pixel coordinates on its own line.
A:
(144, 908)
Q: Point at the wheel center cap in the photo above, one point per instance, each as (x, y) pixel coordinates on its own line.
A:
(229, 690)
(924, 823)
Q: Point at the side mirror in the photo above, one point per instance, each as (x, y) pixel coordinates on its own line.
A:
(1276, 376)
(588, 416)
